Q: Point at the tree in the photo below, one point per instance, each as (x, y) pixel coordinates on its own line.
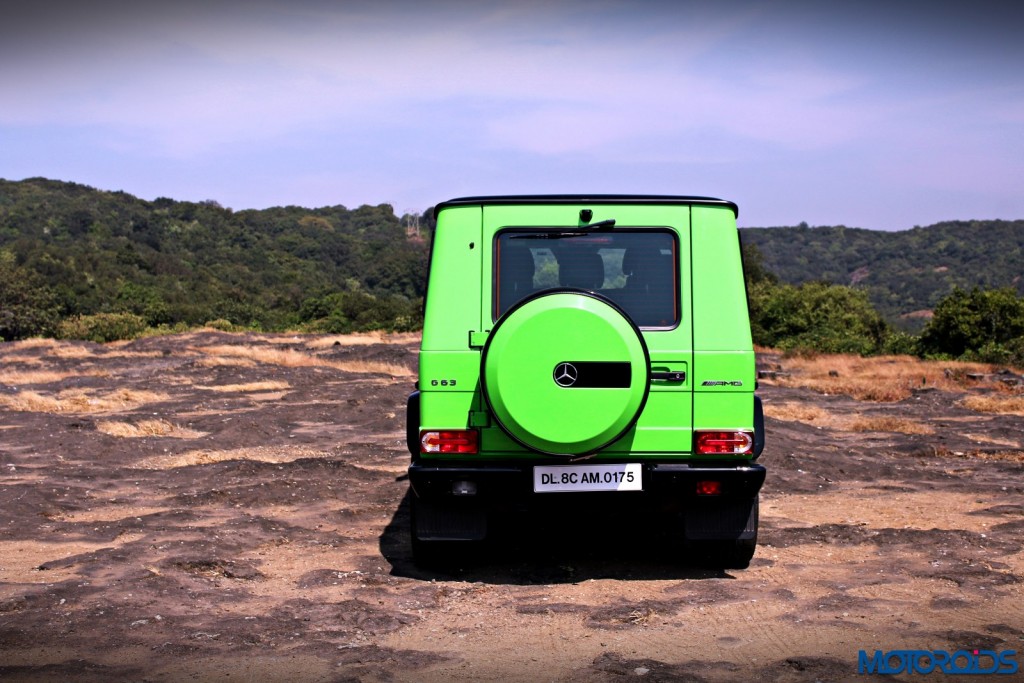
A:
(754, 270)
(815, 316)
(27, 307)
(967, 322)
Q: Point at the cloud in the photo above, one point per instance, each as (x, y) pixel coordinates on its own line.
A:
(405, 96)
(196, 79)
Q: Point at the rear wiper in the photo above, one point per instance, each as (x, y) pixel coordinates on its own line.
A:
(581, 231)
(547, 235)
(600, 225)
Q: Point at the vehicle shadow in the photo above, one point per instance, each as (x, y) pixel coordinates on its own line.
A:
(542, 548)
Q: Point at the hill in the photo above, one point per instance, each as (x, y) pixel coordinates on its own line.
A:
(169, 261)
(68, 249)
(902, 272)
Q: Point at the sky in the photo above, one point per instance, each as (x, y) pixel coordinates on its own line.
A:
(880, 115)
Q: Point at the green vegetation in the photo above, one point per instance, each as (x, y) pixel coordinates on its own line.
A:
(820, 317)
(27, 305)
(981, 325)
(816, 316)
(102, 327)
(78, 261)
(901, 272)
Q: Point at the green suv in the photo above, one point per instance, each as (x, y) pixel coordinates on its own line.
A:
(586, 349)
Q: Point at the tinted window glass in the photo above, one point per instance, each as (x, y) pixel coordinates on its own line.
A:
(637, 269)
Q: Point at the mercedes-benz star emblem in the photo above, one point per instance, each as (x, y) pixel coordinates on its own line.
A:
(565, 374)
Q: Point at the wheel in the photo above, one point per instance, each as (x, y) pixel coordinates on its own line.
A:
(565, 372)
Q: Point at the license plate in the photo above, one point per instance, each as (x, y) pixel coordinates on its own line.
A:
(614, 477)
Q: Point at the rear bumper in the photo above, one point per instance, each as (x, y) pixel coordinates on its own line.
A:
(512, 482)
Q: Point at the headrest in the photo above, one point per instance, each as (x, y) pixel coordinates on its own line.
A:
(584, 269)
(516, 265)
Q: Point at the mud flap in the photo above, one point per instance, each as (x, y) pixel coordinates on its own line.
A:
(758, 427)
(722, 520)
(412, 423)
(432, 522)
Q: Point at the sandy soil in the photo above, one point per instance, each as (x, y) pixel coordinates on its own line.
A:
(233, 508)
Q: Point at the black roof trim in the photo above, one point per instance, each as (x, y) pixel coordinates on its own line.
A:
(585, 199)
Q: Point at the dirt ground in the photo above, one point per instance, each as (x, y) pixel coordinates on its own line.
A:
(214, 507)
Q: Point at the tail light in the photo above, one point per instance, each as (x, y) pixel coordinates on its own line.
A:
(449, 441)
(723, 443)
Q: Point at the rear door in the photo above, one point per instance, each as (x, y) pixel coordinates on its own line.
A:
(642, 265)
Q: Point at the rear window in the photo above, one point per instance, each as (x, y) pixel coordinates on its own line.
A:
(636, 268)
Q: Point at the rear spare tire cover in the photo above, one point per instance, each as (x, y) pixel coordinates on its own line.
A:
(565, 372)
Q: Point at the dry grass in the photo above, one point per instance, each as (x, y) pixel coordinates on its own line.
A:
(364, 339)
(813, 415)
(269, 385)
(797, 412)
(358, 339)
(261, 354)
(985, 438)
(294, 359)
(33, 344)
(271, 454)
(373, 367)
(1005, 456)
(1002, 405)
(1012, 455)
(276, 339)
(146, 428)
(22, 360)
(70, 351)
(81, 401)
(134, 354)
(641, 617)
(17, 378)
(890, 424)
(881, 378)
(222, 361)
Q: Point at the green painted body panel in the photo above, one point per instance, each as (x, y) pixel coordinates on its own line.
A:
(449, 371)
(723, 411)
(723, 364)
(721, 321)
(711, 343)
(660, 431)
(453, 293)
(724, 371)
(446, 410)
(659, 434)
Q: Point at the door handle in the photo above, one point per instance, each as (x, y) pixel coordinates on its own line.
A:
(675, 376)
